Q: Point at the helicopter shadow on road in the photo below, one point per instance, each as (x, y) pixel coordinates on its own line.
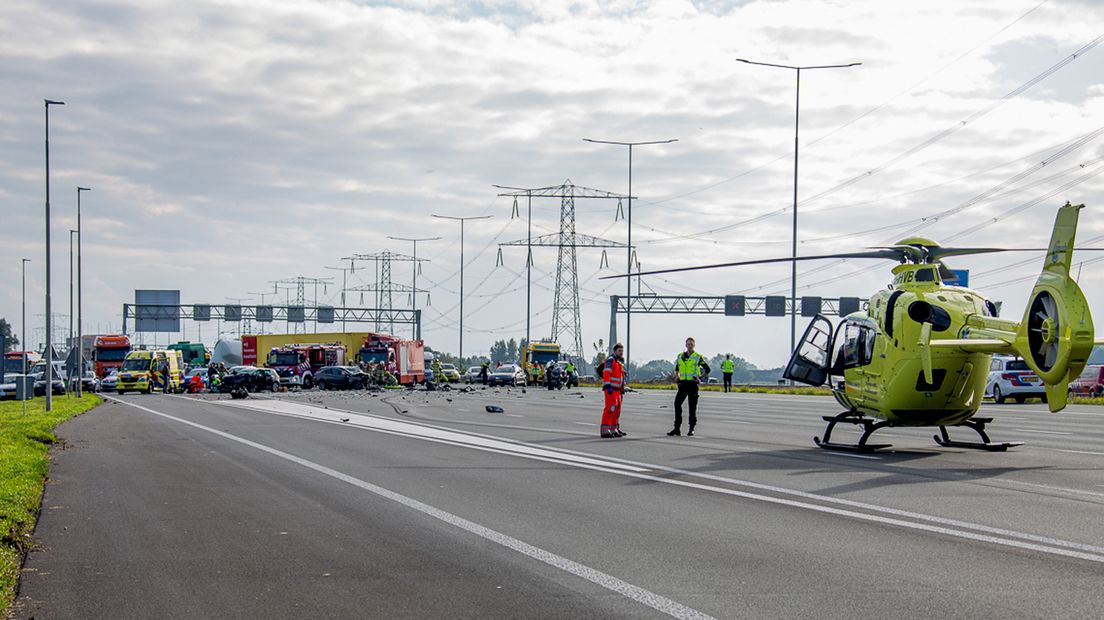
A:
(891, 470)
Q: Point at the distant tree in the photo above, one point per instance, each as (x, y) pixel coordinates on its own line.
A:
(499, 351)
(11, 341)
(511, 350)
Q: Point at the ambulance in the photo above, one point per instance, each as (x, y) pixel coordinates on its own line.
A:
(134, 376)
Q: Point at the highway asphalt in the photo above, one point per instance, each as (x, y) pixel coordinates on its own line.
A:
(413, 505)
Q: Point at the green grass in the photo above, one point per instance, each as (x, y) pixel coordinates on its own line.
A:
(24, 442)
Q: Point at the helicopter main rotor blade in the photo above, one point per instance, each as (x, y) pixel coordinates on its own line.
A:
(937, 253)
(882, 253)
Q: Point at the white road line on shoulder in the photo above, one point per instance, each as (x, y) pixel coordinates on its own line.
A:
(923, 522)
(640, 595)
(1028, 430)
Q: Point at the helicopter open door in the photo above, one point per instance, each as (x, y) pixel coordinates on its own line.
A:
(811, 359)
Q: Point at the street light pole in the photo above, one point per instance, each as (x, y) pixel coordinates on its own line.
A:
(49, 308)
(797, 119)
(414, 286)
(629, 245)
(23, 375)
(80, 298)
(460, 354)
(69, 377)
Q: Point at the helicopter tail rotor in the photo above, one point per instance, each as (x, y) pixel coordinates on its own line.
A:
(1056, 335)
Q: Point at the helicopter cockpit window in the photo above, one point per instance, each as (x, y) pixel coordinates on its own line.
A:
(925, 275)
(858, 345)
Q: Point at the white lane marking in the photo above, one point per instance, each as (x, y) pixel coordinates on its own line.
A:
(1022, 540)
(421, 431)
(1082, 452)
(1028, 430)
(514, 415)
(1054, 488)
(624, 588)
(586, 423)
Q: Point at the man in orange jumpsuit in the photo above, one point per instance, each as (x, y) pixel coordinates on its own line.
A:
(613, 384)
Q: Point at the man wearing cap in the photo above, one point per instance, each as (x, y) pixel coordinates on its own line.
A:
(613, 384)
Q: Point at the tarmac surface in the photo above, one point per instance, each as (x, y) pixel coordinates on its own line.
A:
(405, 505)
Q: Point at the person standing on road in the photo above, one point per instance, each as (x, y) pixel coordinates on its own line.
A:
(484, 372)
(436, 366)
(727, 368)
(689, 366)
(613, 384)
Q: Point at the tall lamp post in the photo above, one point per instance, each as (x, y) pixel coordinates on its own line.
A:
(24, 319)
(797, 118)
(49, 316)
(629, 245)
(69, 373)
(414, 286)
(80, 298)
(460, 354)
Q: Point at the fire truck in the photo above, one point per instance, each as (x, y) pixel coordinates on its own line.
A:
(403, 358)
(297, 363)
(108, 353)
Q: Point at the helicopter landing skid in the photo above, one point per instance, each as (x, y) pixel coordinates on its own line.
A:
(851, 417)
(978, 424)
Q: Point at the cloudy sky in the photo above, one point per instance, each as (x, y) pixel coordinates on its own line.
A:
(230, 144)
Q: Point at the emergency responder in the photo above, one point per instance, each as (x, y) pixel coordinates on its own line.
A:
(572, 378)
(689, 367)
(484, 372)
(534, 373)
(727, 368)
(436, 371)
(613, 384)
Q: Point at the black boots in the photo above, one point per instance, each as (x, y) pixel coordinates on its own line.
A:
(675, 432)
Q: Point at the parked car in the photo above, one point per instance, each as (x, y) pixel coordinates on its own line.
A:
(252, 379)
(7, 388)
(340, 378)
(506, 374)
(89, 383)
(40, 385)
(449, 373)
(107, 384)
(1090, 382)
(1010, 377)
(472, 376)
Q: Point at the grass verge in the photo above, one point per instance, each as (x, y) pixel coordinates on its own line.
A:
(24, 442)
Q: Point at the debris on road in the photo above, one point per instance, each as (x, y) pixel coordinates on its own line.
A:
(494, 409)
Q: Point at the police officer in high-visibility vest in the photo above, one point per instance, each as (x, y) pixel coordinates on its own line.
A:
(613, 384)
(727, 368)
(689, 366)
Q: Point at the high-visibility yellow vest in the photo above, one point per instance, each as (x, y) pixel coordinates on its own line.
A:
(688, 366)
(728, 366)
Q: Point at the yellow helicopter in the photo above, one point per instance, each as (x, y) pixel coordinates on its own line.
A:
(920, 353)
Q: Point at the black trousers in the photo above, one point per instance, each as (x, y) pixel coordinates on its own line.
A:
(687, 390)
(727, 381)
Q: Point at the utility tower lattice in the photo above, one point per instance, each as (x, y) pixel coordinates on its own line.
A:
(300, 283)
(384, 288)
(566, 317)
